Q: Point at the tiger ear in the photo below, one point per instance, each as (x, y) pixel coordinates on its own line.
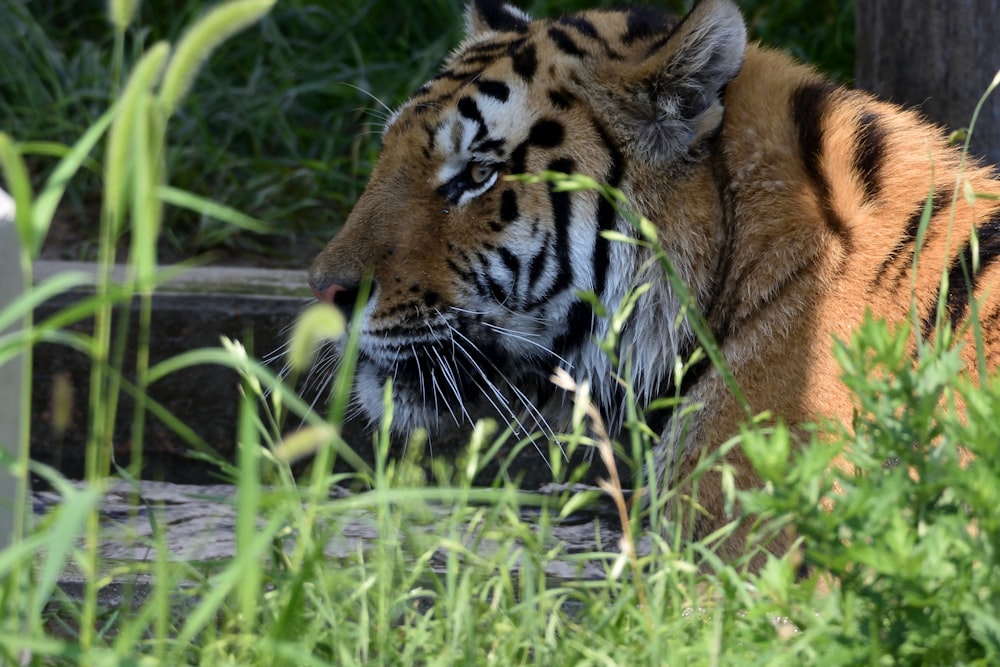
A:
(675, 95)
(484, 16)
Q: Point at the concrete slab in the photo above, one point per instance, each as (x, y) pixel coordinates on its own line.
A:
(190, 311)
(197, 524)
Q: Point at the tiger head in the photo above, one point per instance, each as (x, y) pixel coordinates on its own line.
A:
(476, 279)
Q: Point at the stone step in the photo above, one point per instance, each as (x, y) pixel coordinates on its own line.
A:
(198, 525)
(192, 310)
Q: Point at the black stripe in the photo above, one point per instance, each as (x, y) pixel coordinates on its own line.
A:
(546, 133)
(577, 328)
(616, 170)
(561, 217)
(524, 60)
(511, 261)
(869, 153)
(643, 22)
(486, 285)
(561, 99)
(962, 280)
(518, 158)
(498, 17)
(717, 308)
(606, 214)
(674, 26)
(494, 145)
(508, 206)
(477, 63)
(587, 29)
(494, 46)
(466, 274)
(431, 132)
(432, 104)
(513, 265)
(564, 42)
(582, 25)
(463, 75)
(927, 323)
(941, 200)
(809, 106)
(468, 108)
(496, 89)
(602, 246)
(538, 262)
(659, 44)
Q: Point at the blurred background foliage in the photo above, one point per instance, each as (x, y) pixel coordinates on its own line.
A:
(284, 122)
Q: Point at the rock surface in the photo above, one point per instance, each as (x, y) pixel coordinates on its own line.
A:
(199, 524)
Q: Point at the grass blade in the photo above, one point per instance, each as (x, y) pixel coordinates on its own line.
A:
(55, 186)
(200, 41)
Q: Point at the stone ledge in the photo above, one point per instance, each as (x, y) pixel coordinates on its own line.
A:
(245, 281)
(197, 525)
(191, 310)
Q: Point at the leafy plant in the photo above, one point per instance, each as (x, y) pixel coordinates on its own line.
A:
(904, 526)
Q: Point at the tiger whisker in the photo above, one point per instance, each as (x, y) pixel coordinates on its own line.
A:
(524, 339)
(530, 408)
(370, 95)
(447, 404)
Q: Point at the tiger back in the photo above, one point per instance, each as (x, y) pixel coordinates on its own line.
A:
(789, 207)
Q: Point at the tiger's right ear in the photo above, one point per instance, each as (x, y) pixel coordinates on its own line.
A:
(484, 16)
(674, 97)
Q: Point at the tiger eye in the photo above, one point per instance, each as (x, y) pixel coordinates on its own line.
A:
(480, 172)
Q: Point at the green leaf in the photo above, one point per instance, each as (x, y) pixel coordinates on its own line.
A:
(55, 186)
(19, 185)
(31, 299)
(209, 208)
(70, 521)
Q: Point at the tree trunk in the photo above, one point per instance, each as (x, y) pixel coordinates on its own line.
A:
(936, 55)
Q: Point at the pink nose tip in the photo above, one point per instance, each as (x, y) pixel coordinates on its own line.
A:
(328, 293)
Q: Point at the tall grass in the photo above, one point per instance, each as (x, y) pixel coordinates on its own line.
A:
(903, 566)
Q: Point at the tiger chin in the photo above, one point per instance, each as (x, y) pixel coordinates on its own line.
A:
(788, 205)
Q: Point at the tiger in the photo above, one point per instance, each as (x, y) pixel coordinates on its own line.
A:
(789, 206)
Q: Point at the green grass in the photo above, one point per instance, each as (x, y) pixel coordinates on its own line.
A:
(459, 574)
(284, 123)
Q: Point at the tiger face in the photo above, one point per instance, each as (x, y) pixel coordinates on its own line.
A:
(787, 206)
(476, 278)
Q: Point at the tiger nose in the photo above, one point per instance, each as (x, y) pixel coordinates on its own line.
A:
(344, 297)
(329, 293)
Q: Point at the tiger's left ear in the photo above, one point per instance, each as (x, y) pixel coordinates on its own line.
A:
(494, 16)
(674, 98)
